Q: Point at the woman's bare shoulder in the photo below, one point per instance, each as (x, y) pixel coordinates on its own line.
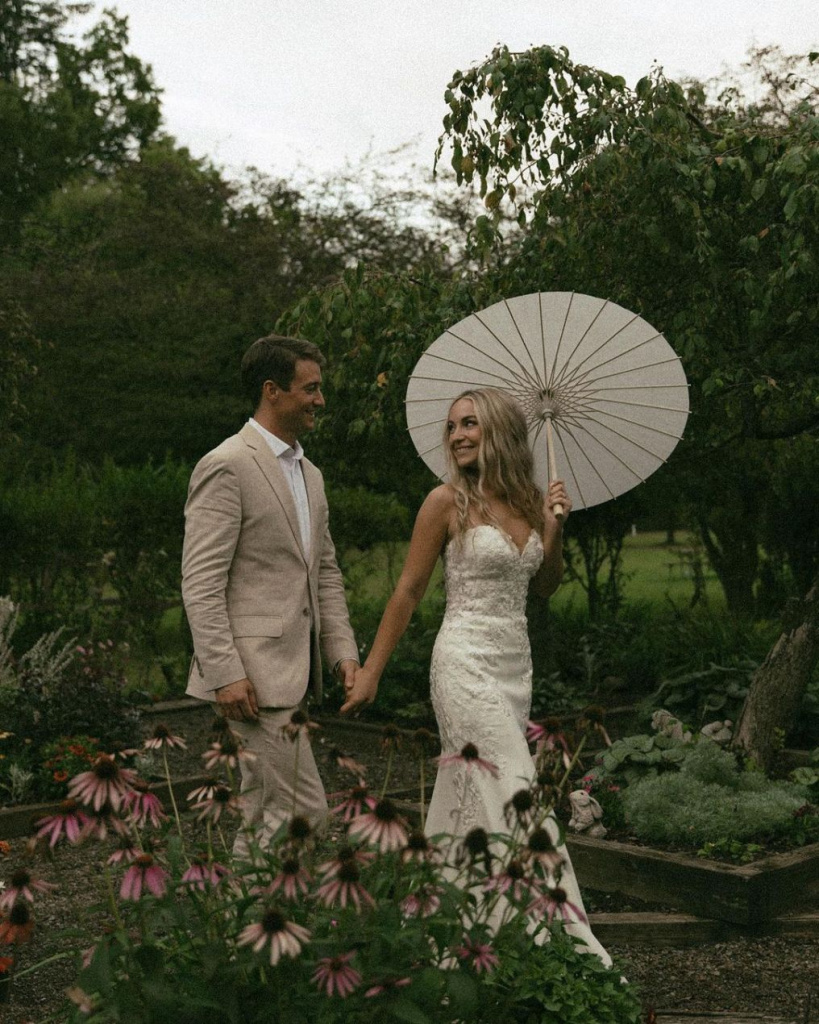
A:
(441, 499)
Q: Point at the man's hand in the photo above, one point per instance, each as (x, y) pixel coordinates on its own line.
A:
(238, 701)
(361, 691)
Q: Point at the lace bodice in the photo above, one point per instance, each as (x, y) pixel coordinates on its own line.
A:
(486, 574)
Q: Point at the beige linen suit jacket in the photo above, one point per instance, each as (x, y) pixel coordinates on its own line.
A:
(249, 592)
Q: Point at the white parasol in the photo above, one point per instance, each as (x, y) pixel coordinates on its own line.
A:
(605, 395)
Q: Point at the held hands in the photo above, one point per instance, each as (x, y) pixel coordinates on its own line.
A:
(237, 701)
(558, 495)
(360, 687)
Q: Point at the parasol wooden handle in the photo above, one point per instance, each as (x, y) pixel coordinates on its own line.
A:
(550, 457)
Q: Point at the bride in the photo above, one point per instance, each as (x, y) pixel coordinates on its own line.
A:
(498, 536)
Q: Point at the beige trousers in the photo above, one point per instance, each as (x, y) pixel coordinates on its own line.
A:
(274, 786)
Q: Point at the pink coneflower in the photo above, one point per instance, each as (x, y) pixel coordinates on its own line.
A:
(425, 742)
(391, 737)
(420, 849)
(592, 719)
(299, 830)
(470, 757)
(68, 822)
(334, 974)
(540, 847)
(522, 807)
(286, 938)
(104, 783)
(513, 877)
(202, 874)
(23, 885)
(163, 737)
(475, 846)
(548, 735)
(144, 872)
(222, 801)
(18, 926)
(82, 1000)
(555, 902)
(228, 750)
(421, 903)
(206, 791)
(480, 954)
(354, 803)
(100, 822)
(383, 826)
(299, 725)
(344, 855)
(143, 805)
(345, 761)
(126, 854)
(292, 880)
(386, 985)
(344, 886)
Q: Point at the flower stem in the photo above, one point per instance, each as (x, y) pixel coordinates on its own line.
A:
(423, 791)
(296, 776)
(390, 756)
(173, 802)
(112, 899)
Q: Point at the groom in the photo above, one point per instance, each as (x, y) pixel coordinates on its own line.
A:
(262, 591)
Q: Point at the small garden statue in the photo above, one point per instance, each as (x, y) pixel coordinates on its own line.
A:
(719, 732)
(586, 814)
(664, 722)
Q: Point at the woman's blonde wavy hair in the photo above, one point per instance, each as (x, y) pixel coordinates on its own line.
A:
(505, 464)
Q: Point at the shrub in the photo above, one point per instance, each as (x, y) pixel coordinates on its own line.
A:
(710, 799)
(59, 689)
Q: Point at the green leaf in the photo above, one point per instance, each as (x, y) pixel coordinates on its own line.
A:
(403, 1009)
(463, 995)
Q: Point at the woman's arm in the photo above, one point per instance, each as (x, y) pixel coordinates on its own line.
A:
(428, 538)
(547, 579)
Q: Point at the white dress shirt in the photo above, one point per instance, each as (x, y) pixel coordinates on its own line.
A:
(290, 457)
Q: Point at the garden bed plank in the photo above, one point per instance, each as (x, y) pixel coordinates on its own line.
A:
(748, 894)
(678, 1017)
(662, 929)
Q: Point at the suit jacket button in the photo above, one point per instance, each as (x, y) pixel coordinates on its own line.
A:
(305, 611)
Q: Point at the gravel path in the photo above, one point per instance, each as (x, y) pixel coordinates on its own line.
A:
(775, 976)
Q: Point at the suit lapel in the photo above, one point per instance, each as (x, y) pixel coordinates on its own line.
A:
(312, 481)
(274, 474)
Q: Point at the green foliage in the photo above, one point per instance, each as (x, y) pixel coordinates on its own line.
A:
(18, 351)
(553, 984)
(360, 518)
(731, 849)
(710, 799)
(58, 689)
(65, 106)
(698, 696)
(75, 534)
(637, 757)
(62, 759)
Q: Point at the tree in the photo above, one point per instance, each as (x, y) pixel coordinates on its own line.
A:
(65, 107)
(698, 213)
(18, 351)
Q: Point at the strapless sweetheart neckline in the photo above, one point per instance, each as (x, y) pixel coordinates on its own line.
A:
(491, 526)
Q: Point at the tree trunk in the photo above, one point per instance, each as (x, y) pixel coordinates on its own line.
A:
(779, 684)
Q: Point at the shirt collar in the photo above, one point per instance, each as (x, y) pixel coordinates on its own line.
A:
(281, 449)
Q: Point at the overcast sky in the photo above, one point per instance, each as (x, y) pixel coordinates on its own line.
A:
(282, 83)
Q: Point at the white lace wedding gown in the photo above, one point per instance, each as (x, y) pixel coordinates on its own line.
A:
(481, 688)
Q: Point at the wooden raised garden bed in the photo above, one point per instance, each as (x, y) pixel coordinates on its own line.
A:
(748, 894)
